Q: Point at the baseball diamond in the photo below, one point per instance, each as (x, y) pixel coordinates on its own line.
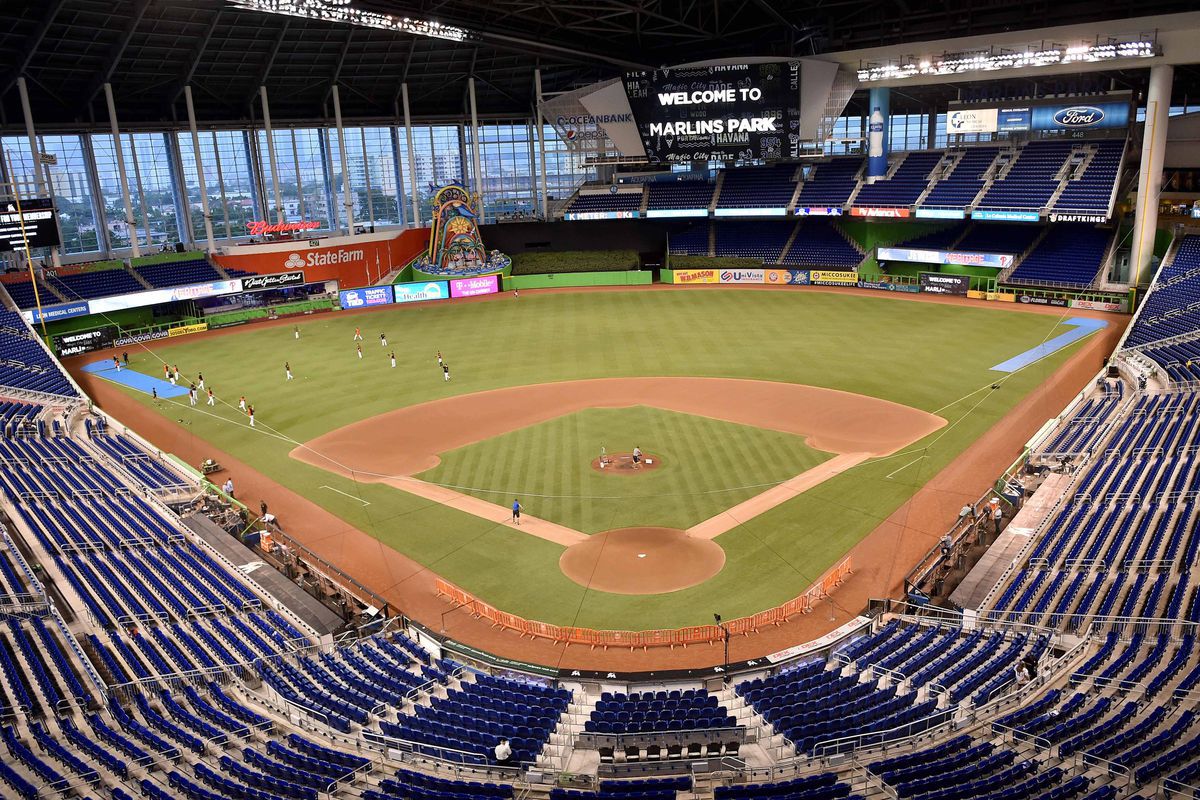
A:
(655, 400)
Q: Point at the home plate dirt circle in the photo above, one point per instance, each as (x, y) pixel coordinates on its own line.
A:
(642, 561)
(622, 464)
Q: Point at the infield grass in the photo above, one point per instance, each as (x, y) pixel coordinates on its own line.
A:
(929, 356)
(706, 466)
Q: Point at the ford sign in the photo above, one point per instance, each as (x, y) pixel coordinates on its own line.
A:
(1079, 117)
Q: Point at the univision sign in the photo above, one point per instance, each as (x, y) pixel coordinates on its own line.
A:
(1079, 117)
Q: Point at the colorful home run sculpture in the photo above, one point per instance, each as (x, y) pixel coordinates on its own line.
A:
(455, 247)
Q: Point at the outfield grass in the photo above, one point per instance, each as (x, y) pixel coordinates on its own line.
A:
(707, 466)
(928, 356)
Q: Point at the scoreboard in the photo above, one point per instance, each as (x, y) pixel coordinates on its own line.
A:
(41, 227)
(724, 112)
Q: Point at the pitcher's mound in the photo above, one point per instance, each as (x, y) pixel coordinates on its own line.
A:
(622, 464)
(642, 561)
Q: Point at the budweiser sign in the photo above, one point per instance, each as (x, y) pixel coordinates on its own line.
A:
(258, 227)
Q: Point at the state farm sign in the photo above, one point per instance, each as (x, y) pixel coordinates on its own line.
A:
(321, 258)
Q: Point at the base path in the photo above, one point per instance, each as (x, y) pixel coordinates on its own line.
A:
(392, 447)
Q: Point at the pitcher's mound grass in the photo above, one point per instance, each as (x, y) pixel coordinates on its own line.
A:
(708, 466)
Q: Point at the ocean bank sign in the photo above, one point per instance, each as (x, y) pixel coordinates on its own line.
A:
(417, 292)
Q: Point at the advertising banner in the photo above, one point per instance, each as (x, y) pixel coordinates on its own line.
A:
(586, 215)
(416, 292)
(72, 344)
(1031, 300)
(471, 287)
(78, 308)
(888, 286)
(1014, 119)
(153, 297)
(785, 277)
(971, 120)
(1059, 216)
(184, 330)
(937, 283)
(819, 211)
(278, 280)
(741, 276)
(1054, 116)
(996, 260)
(695, 276)
(750, 212)
(888, 213)
(940, 213)
(833, 277)
(1097, 305)
(1007, 216)
(652, 213)
(1087, 116)
(368, 296)
(138, 338)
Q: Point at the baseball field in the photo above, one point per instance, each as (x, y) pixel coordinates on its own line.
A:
(781, 428)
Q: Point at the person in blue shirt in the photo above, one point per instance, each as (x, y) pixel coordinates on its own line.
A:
(516, 509)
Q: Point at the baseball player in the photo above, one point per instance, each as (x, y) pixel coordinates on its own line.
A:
(446, 371)
(117, 363)
(200, 379)
(192, 394)
(212, 401)
(175, 373)
(242, 404)
(287, 367)
(392, 356)
(250, 413)
(166, 372)
(637, 457)
(439, 358)
(359, 347)
(383, 340)
(357, 335)
(296, 331)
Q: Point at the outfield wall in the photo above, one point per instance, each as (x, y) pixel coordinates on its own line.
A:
(349, 260)
(619, 278)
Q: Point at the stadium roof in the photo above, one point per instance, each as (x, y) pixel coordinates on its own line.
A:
(149, 49)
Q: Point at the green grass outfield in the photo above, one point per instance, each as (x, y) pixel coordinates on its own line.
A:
(707, 466)
(925, 355)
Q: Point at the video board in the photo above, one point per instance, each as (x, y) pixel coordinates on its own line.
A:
(722, 112)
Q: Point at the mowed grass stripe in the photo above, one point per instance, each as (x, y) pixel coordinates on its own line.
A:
(704, 462)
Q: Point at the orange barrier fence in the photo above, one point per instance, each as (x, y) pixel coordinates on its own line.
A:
(682, 637)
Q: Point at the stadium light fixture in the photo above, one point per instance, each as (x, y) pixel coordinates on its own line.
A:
(994, 59)
(343, 12)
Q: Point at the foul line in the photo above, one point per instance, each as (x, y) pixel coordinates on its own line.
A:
(906, 466)
(339, 491)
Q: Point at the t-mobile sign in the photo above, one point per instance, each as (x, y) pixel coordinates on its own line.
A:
(470, 287)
